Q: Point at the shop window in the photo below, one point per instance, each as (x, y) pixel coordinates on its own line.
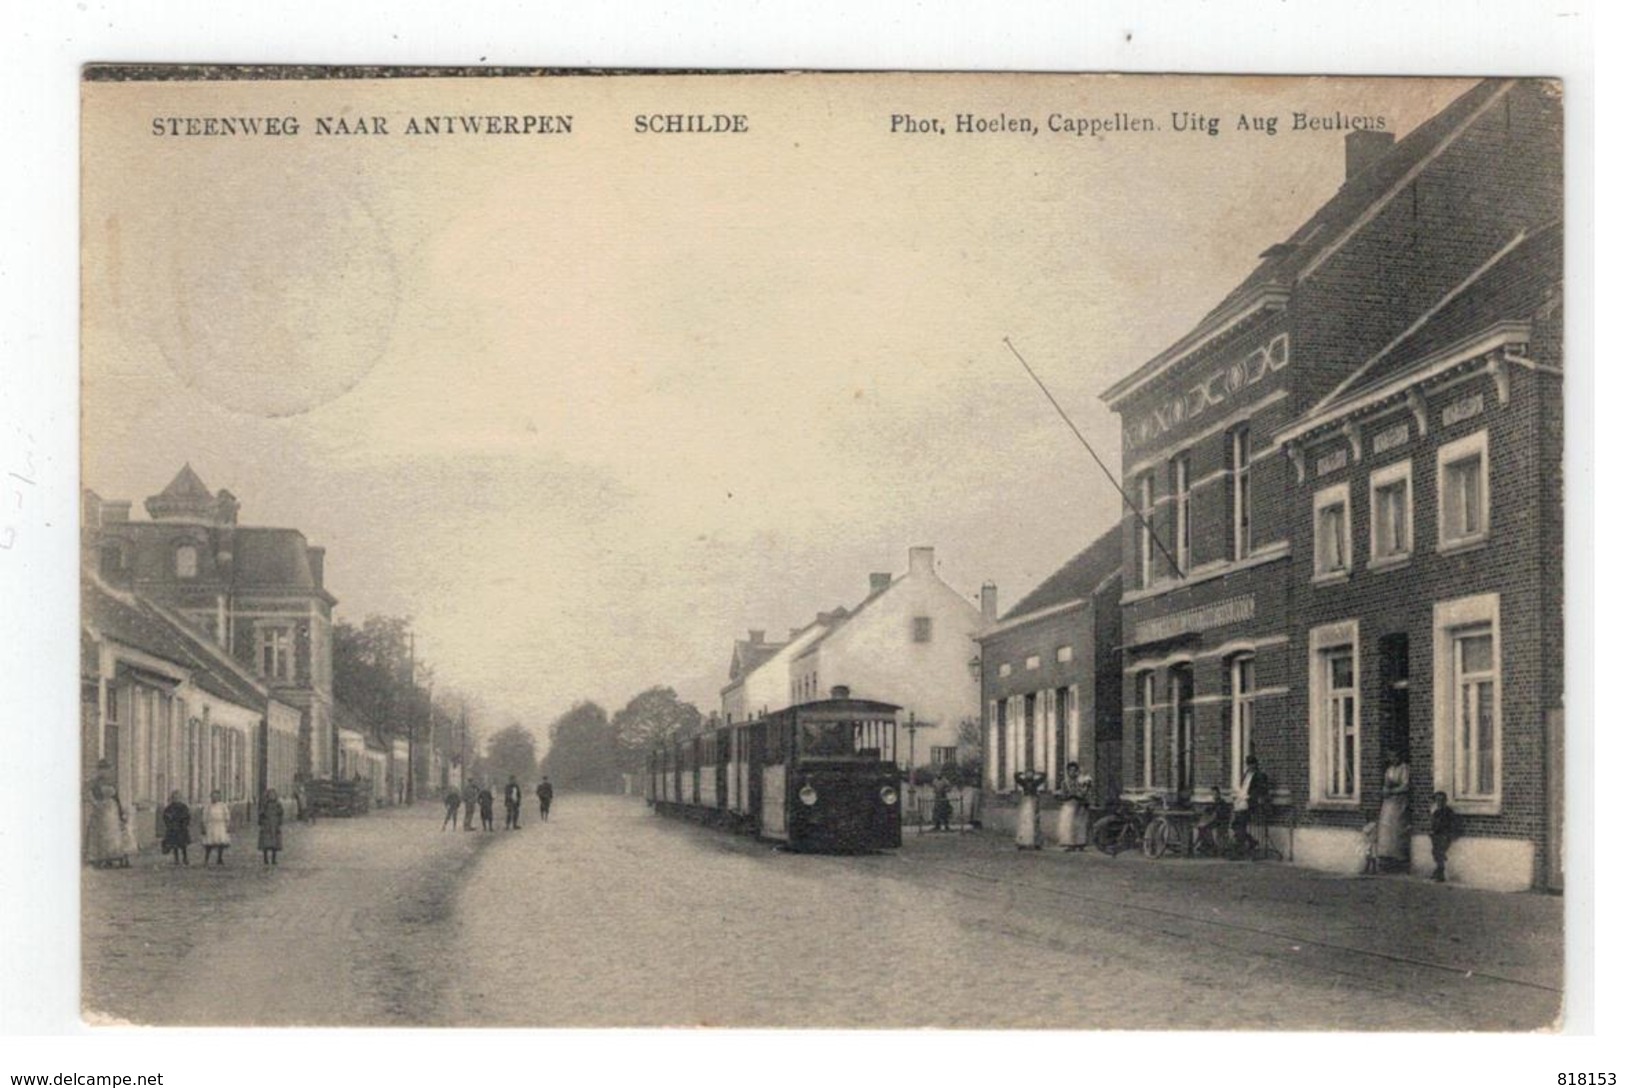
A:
(1332, 538)
(1243, 686)
(1391, 514)
(1464, 491)
(1335, 713)
(1241, 492)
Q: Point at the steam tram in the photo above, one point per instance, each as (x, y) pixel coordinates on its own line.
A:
(820, 776)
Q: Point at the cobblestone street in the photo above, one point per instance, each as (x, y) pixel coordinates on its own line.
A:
(609, 915)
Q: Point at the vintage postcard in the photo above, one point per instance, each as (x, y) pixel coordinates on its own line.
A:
(619, 549)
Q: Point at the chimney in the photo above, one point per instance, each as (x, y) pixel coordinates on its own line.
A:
(317, 557)
(878, 581)
(922, 560)
(90, 510)
(758, 637)
(990, 601)
(226, 506)
(1361, 148)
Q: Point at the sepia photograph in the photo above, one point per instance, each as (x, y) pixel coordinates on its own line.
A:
(629, 549)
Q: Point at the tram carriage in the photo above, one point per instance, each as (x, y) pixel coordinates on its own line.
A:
(820, 776)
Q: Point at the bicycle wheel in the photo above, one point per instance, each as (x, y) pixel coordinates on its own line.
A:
(1104, 835)
(1127, 837)
(1156, 838)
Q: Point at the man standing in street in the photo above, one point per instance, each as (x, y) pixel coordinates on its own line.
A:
(453, 800)
(1250, 797)
(471, 797)
(544, 797)
(512, 797)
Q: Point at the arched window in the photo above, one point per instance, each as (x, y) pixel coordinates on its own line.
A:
(186, 561)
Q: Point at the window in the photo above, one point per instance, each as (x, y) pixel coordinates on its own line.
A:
(1182, 693)
(1332, 544)
(942, 755)
(1243, 684)
(1148, 727)
(1391, 514)
(1148, 510)
(1181, 473)
(1467, 700)
(276, 653)
(1464, 491)
(1334, 685)
(186, 561)
(1064, 654)
(1032, 662)
(922, 628)
(1241, 492)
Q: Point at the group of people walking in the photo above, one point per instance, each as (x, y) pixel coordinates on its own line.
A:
(110, 841)
(474, 796)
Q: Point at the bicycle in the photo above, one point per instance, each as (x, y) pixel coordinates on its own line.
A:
(1122, 825)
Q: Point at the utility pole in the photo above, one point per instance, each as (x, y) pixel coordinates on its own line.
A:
(462, 732)
(411, 723)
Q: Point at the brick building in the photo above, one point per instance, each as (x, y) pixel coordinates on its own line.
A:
(1052, 675)
(1224, 649)
(255, 591)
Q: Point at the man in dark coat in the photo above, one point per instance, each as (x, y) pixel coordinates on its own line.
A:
(487, 804)
(544, 797)
(1250, 799)
(512, 797)
(471, 797)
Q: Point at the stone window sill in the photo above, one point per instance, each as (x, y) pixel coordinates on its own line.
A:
(1397, 561)
(1464, 544)
(1330, 578)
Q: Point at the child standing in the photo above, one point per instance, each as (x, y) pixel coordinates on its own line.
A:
(1443, 832)
(177, 828)
(1370, 833)
(216, 828)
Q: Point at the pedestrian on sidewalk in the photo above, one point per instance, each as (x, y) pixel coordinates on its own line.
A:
(544, 797)
(104, 832)
(942, 806)
(487, 803)
(454, 801)
(216, 828)
(512, 797)
(1442, 830)
(178, 828)
(1028, 834)
(1072, 828)
(1393, 821)
(301, 800)
(471, 797)
(1251, 796)
(270, 828)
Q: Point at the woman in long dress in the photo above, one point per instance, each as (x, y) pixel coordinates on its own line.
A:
(1393, 823)
(105, 844)
(1072, 829)
(1028, 835)
(270, 828)
(216, 829)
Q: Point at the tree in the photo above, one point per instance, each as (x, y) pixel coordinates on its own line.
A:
(652, 717)
(373, 674)
(511, 751)
(581, 750)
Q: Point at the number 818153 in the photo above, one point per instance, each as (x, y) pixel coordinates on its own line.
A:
(1586, 1080)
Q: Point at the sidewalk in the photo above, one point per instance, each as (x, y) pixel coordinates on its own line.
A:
(350, 927)
(1517, 936)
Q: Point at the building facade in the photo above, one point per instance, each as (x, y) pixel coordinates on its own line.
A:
(1270, 439)
(257, 592)
(754, 689)
(1051, 670)
(163, 711)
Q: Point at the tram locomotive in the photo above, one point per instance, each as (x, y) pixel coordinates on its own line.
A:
(818, 777)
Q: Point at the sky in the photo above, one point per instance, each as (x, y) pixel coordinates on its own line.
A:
(590, 407)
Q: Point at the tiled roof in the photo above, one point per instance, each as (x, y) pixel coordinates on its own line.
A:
(137, 623)
(272, 557)
(1077, 578)
(1519, 281)
(750, 656)
(1284, 262)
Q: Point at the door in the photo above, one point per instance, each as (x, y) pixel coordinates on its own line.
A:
(1394, 710)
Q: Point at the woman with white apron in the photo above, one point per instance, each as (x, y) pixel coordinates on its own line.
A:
(1072, 829)
(1028, 836)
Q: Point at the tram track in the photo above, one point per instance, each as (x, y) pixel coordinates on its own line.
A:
(1265, 933)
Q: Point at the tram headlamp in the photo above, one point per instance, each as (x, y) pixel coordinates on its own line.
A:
(808, 795)
(888, 796)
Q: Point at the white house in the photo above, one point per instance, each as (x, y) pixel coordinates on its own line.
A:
(910, 642)
(759, 675)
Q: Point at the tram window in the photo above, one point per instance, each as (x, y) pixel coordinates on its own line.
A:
(826, 738)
